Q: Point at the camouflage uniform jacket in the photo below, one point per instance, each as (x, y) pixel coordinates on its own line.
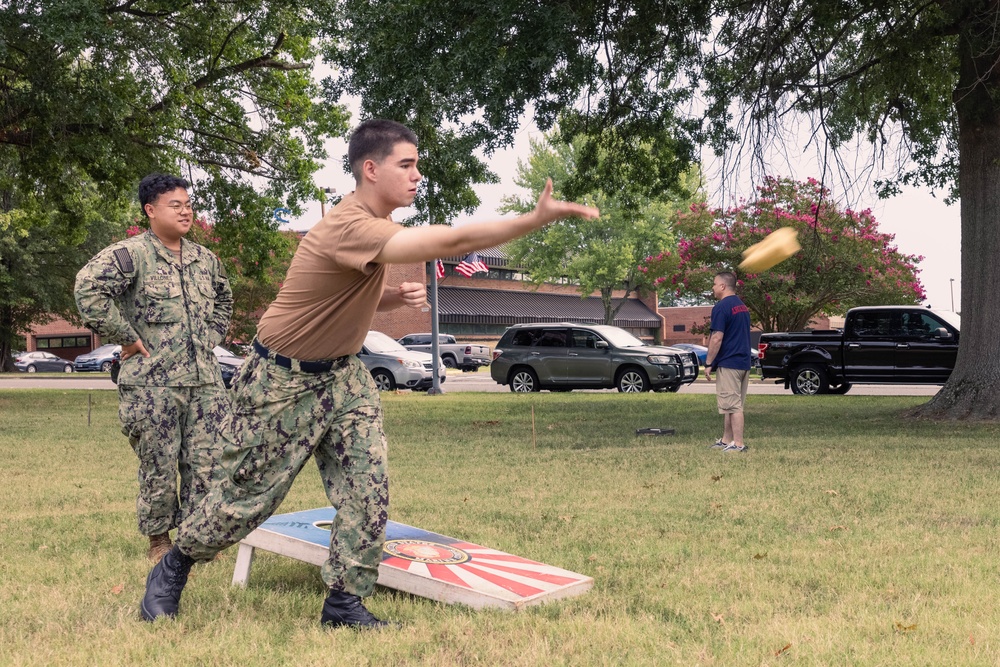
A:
(137, 290)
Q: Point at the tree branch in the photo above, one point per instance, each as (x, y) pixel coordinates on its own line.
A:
(265, 60)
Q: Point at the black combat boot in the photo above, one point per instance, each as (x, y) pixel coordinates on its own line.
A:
(342, 608)
(164, 585)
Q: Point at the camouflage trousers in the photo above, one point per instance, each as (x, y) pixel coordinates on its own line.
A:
(280, 419)
(174, 431)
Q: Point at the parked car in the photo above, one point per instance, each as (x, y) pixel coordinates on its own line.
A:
(466, 356)
(98, 359)
(394, 367)
(563, 356)
(700, 350)
(40, 362)
(229, 363)
(878, 345)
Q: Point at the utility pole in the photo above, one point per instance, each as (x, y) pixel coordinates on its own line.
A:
(435, 349)
(322, 200)
(952, 294)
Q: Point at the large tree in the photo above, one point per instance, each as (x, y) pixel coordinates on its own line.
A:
(917, 80)
(845, 261)
(600, 255)
(95, 94)
(41, 251)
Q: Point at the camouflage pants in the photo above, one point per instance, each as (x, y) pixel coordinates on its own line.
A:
(173, 430)
(280, 419)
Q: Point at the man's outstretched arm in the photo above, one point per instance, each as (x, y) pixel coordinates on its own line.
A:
(422, 244)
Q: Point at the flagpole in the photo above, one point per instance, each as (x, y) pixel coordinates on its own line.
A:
(435, 349)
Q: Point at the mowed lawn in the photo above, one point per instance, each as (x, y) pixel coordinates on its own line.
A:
(847, 535)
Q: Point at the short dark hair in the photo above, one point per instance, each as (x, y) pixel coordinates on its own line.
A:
(729, 278)
(154, 185)
(374, 140)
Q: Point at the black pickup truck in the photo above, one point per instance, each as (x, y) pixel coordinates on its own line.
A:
(878, 345)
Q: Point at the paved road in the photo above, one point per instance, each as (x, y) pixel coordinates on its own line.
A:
(457, 382)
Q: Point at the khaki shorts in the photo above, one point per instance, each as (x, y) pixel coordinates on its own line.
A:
(731, 389)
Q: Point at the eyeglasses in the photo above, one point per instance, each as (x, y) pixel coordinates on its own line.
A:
(179, 208)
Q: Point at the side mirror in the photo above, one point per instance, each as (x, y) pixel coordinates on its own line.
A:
(601, 344)
(943, 334)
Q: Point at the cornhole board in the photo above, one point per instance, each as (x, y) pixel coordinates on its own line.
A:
(420, 562)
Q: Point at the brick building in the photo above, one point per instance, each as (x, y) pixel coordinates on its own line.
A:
(61, 338)
(481, 307)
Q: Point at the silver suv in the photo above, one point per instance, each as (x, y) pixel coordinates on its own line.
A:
(394, 367)
(562, 356)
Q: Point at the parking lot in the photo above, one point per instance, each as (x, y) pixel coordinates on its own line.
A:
(458, 381)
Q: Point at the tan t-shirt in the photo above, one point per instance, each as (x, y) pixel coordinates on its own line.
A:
(328, 299)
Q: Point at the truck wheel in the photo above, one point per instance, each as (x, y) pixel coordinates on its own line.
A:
(449, 362)
(809, 380)
(523, 381)
(842, 388)
(632, 381)
(383, 379)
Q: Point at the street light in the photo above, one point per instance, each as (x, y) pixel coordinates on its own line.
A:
(952, 294)
(322, 201)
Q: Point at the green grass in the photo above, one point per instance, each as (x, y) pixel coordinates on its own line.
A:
(847, 534)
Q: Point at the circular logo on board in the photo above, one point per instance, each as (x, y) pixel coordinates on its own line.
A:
(426, 552)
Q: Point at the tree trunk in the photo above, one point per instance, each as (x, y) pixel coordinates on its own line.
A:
(973, 391)
(6, 326)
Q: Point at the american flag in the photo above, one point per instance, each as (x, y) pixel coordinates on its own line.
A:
(470, 265)
(439, 269)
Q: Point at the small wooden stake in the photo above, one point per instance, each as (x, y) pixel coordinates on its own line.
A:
(88, 409)
(533, 446)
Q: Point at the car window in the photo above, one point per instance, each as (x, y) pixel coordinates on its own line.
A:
(618, 337)
(584, 339)
(525, 337)
(878, 324)
(920, 324)
(552, 338)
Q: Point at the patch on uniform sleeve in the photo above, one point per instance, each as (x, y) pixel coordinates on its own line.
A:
(124, 260)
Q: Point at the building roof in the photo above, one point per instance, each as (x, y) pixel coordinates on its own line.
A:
(495, 257)
(464, 305)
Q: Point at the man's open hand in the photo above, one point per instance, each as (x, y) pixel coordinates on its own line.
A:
(549, 209)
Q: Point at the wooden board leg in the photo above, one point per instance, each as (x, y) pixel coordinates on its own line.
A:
(244, 559)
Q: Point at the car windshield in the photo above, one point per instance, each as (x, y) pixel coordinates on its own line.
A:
(618, 337)
(106, 349)
(378, 342)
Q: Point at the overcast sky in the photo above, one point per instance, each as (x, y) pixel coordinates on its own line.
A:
(922, 224)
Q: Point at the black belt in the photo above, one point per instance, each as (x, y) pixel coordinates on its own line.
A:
(295, 364)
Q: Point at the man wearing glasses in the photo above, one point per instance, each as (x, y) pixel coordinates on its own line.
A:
(167, 302)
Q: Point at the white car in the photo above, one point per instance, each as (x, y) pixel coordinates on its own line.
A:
(394, 367)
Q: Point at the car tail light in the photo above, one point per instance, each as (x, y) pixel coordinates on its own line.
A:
(762, 348)
(468, 349)
(496, 354)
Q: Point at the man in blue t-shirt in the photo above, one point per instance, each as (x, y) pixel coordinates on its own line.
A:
(729, 353)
